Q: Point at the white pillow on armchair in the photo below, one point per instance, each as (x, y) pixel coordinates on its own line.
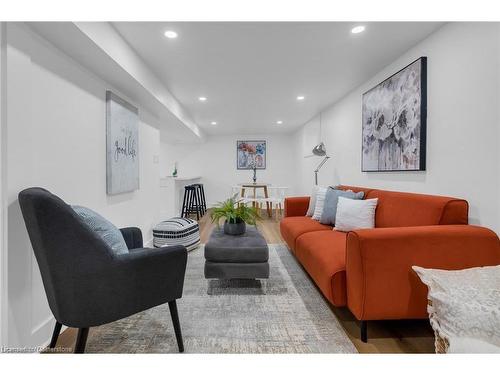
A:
(464, 307)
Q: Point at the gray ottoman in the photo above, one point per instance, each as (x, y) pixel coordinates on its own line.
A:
(236, 257)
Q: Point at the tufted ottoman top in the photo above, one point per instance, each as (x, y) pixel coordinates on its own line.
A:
(250, 247)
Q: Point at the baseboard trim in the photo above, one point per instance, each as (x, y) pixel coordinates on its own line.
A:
(42, 325)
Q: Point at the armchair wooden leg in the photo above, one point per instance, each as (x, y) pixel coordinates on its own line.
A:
(55, 335)
(364, 331)
(177, 326)
(81, 340)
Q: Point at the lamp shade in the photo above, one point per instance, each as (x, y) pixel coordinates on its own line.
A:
(319, 150)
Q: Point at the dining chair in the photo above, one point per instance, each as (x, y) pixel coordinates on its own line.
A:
(276, 199)
(253, 196)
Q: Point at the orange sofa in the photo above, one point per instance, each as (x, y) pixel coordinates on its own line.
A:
(369, 270)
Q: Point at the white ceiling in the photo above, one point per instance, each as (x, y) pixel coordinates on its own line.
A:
(252, 73)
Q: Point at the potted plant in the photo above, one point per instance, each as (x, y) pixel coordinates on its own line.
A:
(236, 215)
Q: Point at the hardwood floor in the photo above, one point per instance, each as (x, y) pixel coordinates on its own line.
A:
(403, 336)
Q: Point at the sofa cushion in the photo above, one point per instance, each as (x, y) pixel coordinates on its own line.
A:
(312, 201)
(293, 226)
(331, 201)
(398, 209)
(320, 203)
(323, 256)
(355, 214)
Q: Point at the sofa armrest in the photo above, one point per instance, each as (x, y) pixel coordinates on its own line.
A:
(132, 237)
(380, 281)
(296, 206)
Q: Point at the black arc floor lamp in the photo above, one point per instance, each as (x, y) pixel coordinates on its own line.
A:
(319, 150)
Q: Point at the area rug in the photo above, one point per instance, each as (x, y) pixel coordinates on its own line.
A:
(285, 314)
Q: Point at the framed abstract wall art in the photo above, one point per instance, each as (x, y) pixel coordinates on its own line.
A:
(122, 145)
(394, 115)
(250, 154)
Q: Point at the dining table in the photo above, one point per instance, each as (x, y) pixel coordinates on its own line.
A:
(255, 186)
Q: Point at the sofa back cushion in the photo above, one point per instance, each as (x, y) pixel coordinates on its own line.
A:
(331, 201)
(399, 209)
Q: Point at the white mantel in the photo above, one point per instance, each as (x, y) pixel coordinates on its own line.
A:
(181, 178)
(172, 193)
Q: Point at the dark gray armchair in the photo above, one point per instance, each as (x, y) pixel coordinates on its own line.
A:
(86, 283)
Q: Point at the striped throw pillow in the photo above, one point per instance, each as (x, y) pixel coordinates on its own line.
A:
(110, 234)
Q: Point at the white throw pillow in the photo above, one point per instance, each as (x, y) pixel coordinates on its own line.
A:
(320, 203)
(464, 303)
(355, 214)
(312, 201)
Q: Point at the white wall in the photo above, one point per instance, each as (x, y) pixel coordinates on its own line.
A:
(3, 190)
(56, 139)
(215, 161)
(463, 157)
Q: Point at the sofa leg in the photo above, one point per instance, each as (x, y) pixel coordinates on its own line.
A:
(55, 335)
(177, 326)
(364, 331)
(81, 340)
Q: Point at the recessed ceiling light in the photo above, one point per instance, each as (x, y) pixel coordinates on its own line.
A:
(301, 97)
(213, 123)
(170, 34)
(357, 29)
(202, 98)
(279, 122)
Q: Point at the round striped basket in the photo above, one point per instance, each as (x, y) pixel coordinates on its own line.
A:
(177, 231)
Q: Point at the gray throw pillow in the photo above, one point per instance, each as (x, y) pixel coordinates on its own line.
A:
(110, 234)
(331, 201)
